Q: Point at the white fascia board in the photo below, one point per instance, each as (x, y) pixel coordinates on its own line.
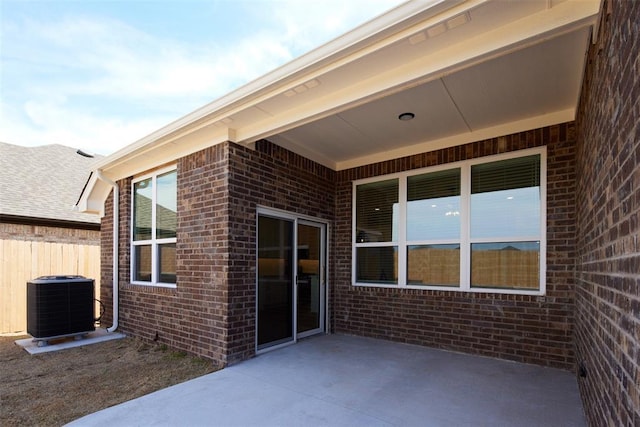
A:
(320, 60)
(151, 157)
(96, 191)
(566, 17)
(94, 196)
(465, 138)
(396, 24)
(83, 202)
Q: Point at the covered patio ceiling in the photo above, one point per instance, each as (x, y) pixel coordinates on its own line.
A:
(535, 86)
(467, 69)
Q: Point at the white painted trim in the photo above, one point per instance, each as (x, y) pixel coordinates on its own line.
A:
(115, 248)
(155, 285)
(465, 228)
(465, 238)
(402, 232)
(452, 141)
(510, 38)
(173, 148)
(154, 173)
(322, 59)
(153, 242)
(95, 194)
(452, 289)
(206, 126)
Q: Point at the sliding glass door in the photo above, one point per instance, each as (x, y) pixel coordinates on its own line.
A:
(291, 283)
(275, 281)
(309, 278)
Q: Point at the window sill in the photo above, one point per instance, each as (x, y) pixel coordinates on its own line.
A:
(453, 289)
(155, 285)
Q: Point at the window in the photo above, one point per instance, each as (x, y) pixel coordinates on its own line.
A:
(505, 224)
(377, 229)
(154, 224)
(433, 228)
(477, 225)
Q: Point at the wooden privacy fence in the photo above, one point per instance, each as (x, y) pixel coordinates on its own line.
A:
(21, 261)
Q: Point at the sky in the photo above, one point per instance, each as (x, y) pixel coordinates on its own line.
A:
(98, 75)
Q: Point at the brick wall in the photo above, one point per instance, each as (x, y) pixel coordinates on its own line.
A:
(211, 312)
(528, 329)
(608, 204)
(269, 177)
(106, 249)
(106, 262)
(192, 316)
(41, 233)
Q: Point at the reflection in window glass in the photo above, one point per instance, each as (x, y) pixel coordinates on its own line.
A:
(377, 265)
(142, 199)
(437, 265)
(142, 263)
(507, 265)
(166, 206)
(153, 240)
(433, 219)
(507, 213)
(275, 281)
(505, 198)
(433, 206)
(376, 211)
(484, 217)
(167, 263)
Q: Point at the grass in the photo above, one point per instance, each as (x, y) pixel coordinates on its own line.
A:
(52, 389)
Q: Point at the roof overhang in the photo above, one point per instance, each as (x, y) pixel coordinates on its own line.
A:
(48, 222)
(93, 195)
(468, 70)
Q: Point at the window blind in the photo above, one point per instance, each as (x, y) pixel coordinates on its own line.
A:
(374, 211)
(433, 185)
(521, 172)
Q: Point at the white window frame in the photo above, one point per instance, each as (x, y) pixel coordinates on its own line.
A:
(153, 242)
(465, 232)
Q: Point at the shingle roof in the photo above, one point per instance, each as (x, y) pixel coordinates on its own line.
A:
(43, 182)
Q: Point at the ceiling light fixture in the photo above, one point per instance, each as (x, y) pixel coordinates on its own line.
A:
(406, 116)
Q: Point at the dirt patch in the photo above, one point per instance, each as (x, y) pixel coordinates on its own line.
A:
(52, 389)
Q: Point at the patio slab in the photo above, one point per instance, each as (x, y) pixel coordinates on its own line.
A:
(342, 380)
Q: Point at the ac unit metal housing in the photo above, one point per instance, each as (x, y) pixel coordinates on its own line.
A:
(59, 306)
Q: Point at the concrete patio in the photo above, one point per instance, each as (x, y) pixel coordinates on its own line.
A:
(341, 380)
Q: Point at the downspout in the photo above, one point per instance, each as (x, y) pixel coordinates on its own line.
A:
(116, 227)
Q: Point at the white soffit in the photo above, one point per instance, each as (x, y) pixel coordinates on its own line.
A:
(92, 199)
(329, 56)
(533, 87)
(540, 79)
(449, 62)
(523, 84)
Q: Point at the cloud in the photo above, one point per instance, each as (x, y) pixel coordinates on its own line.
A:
(52, 123)
(310, 23)
(109, 58)
(99, 83)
